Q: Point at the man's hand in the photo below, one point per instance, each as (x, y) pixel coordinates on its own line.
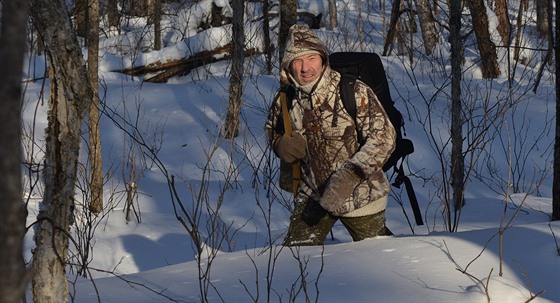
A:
(291, 148)
(340, 186)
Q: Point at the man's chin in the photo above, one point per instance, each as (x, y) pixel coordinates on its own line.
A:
(306, 81)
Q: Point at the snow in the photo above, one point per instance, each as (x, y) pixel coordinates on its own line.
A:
(151, 258)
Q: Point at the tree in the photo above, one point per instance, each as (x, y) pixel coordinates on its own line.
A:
(486, 47)
(556, 175)
(333, 23)
(95, 158)
(457, 158)
(70, 96)
(231, 126)
(542, 8)
(80, 18)
(288, 17)
(392, 32)
(113, 13)
(504, 26)
(523, 7)
(154, 17)
(12, 210)
(427, 25)
(266, 36)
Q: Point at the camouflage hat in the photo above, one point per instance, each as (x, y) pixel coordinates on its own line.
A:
(301, 41)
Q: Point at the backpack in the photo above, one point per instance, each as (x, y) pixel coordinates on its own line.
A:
(368, 68)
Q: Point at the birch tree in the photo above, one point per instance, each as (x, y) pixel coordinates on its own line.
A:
(12, 209)
(427, 25)
(231, 126)
(70, 96)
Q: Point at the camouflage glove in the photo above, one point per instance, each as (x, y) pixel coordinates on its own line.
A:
(291, 148)
(339, 187)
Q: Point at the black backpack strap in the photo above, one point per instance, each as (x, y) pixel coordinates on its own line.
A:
(402, 178)
(348, 95)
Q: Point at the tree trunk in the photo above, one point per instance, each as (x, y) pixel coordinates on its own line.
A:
(231, 126)
(266, 36)
(288, 17)
(12, 211)
(113, 13)
(333, 23)
(360, 26)
(427, 25)
(95, 159)
(154, 17)
(80, 19)
(523, 6)
(457, 159)
(392, 33)
(556, 175)
(486, 47)
(70, 96)
(542, 17)
(504, 26)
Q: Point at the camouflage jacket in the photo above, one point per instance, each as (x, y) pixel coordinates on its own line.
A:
(331, 136)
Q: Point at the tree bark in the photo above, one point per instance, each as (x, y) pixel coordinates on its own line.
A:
(523, 6)
(333, 22)
(360, 26)
(427, 25)
(266, 36)
(504, 26)
(486, 47)
(231, 126)
(70, 96)
(154, 17)
(12, 211)
(542, 17)
(288, 17)
(457, 158)
(392, 32)
(95, 159)
(80, 19)
(113, 13)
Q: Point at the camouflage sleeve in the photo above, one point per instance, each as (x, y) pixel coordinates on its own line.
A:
(273, 126)
(376, 130)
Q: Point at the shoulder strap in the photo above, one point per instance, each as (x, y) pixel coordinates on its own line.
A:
(348, 95)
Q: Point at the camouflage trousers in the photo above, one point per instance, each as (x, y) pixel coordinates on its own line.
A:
(310, 224)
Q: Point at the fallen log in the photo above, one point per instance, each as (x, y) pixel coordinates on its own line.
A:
(168, 69)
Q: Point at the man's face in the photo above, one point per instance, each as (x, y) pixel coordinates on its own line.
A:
(307, 68)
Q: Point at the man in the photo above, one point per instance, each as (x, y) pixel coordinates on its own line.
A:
(340, 178)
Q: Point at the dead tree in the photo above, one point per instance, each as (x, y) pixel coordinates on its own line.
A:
(70, 96)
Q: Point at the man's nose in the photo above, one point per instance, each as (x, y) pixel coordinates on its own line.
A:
(304, 66)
